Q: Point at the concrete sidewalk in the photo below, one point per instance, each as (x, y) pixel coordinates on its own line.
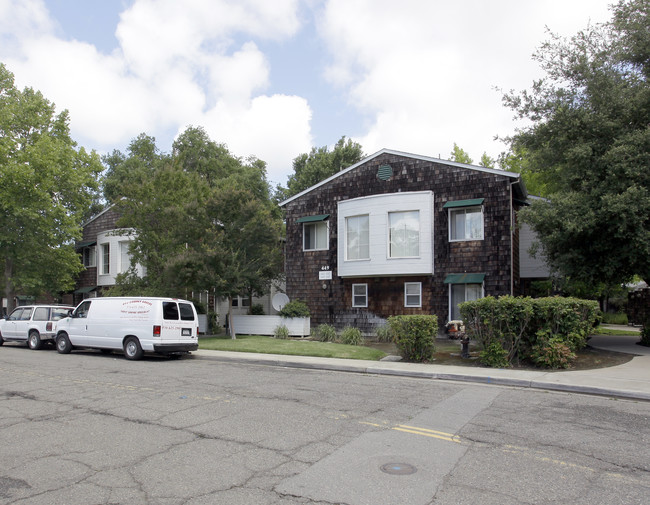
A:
(630, 380)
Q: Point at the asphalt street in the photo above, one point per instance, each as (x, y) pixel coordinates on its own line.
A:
(88, 428)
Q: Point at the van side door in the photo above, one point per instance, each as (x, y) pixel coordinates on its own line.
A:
(78, 327)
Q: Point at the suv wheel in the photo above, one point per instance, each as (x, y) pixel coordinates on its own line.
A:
(34, 340)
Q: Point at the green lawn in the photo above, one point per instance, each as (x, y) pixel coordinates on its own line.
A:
(292, 347)
(617, 333)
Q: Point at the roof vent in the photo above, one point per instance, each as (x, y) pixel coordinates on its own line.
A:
(384, 172)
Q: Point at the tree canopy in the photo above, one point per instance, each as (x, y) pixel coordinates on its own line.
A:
(589, 140)
(202, 219)
(460, 155)
(47, 186)
(319, 164)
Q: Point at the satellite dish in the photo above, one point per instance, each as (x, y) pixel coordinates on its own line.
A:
(279, 300)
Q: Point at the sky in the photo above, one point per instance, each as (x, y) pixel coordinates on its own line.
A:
(274, 78)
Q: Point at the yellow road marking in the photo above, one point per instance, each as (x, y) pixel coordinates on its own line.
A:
(441, 435)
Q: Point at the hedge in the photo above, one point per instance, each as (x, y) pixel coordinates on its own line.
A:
(546, 331)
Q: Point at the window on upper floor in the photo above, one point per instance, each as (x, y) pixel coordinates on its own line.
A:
(359, 295)
(404, 234)
(465, 219)
(89, 256)
(125, 257)
(106, 259)
(315, 236)
(357, 237)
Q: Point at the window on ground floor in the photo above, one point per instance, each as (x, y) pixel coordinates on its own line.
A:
(359, 295)
(460, 293)
(412, 294)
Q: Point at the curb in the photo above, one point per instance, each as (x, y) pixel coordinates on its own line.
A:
(281, 361)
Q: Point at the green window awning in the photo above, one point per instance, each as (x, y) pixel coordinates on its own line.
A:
(313, 219)
(81, 245)
(464, 279)
(86, 289)
(463, 203)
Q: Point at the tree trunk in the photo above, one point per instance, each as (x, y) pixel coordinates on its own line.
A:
(233, 335)
(10, 295)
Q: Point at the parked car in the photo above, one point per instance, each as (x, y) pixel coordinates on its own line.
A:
(133, 325)
(32, 324)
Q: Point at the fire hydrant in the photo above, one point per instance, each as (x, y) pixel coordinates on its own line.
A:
(464, 342)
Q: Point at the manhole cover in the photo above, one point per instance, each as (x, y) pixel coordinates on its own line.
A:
(398, 468)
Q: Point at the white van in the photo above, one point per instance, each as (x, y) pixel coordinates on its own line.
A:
(134, 325)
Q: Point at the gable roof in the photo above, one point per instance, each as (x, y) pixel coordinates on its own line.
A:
(476, 168)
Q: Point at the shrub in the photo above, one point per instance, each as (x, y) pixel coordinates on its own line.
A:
(257, 309)
(295, 308)
(281, 331)
(325, 333)
(552, 353)
(414, 336)
(351, 336)
(384, 334)
(494, 356)
(645, 334)
(618, 318)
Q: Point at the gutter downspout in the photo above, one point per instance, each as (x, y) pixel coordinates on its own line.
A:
(512, 242)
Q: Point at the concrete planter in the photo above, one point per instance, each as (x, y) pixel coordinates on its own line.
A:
(266, 325)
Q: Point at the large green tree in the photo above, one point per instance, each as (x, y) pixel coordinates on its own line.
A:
(589, 139)
(202, 219)
(47, 185)
(319, 164)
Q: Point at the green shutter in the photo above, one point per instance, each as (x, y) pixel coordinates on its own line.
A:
(313, 219)
(464, 279)
(464, 203)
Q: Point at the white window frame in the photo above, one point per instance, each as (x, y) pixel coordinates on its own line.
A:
(89, 256)
(463, 211)
(364, 295)
(106, 259)
(451, 287)
(367, 242)
(418, 294)
(316, 224)
(124, 268)
(390, 229)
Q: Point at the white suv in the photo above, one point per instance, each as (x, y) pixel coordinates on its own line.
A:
(32, 324)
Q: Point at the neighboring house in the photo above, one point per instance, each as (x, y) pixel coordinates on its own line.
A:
(104, 250)
(399, 233)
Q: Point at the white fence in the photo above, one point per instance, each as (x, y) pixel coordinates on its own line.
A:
(266, 325)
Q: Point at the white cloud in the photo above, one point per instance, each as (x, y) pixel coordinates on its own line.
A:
(423, 73)
(177, 63)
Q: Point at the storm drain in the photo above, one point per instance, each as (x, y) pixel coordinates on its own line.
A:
(398, 468)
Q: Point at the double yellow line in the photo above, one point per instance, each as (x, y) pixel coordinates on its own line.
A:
(449, 437)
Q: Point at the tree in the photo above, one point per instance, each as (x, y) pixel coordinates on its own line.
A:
(589, 138)
(460, 155)
(487, 161)
(47, 185)
(321, 163)
(202, 218)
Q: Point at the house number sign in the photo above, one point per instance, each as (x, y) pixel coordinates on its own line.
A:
(325, 274)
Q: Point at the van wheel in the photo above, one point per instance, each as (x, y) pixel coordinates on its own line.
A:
(2, 340)
(63, 345)
(132, 348)
(34, 341)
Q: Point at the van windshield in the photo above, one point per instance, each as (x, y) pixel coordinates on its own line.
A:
(170, 310)
(187, 314)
